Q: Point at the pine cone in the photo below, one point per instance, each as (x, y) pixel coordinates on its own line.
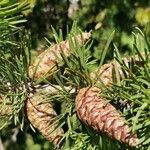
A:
(108, 72)
(5, 109)
(43, 117)
(47, 60)
(94, 111)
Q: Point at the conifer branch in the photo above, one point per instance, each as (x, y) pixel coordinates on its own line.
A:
(72, 79)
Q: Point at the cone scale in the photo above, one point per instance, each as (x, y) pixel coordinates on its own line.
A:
(94, 111)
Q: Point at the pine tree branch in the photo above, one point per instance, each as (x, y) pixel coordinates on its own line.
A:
(105, 77)
(6, 109)
(75, 72)
(15, 75)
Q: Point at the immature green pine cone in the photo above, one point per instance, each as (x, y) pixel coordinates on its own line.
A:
(94, 111)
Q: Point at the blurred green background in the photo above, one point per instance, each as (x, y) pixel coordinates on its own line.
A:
(100, 16)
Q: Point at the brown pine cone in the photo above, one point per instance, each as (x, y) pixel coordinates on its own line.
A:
(46, 61)
(5, 109)
(43, 117)
(94, 111)
(112, 71)
(108, 73)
